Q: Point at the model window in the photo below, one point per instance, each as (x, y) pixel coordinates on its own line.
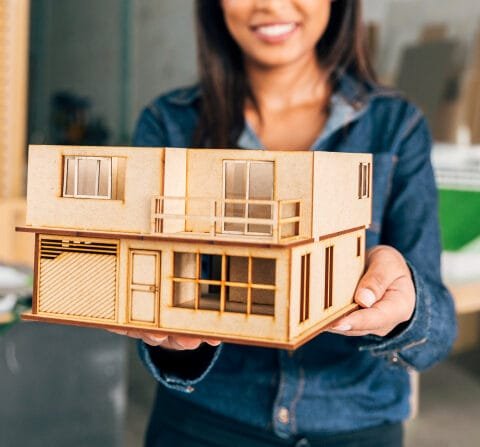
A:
(224, 283)
(248, 196)
(328, 296)
(305, 288)
(94, 177)
(364, 180)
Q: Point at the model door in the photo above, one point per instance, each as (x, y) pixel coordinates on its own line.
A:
(144, 286)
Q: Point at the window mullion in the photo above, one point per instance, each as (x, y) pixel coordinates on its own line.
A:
(76, 179)
(247, 197)
(197, 277)
(249, 288)
(223, 280)
(110, 173)
(97, 178)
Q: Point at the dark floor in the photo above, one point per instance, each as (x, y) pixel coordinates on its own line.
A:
(449, 414)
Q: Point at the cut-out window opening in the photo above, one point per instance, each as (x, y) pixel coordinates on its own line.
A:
(328, 296)
(94, 177)
(364, 180)
(248, 194)
(305, 288)
(224, 283)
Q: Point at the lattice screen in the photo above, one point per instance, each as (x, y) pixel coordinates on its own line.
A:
(78, 278)
(13, 88)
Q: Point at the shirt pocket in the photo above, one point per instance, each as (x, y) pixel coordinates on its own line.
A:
(383, 169)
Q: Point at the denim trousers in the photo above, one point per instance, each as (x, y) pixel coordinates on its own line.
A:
(178, 423)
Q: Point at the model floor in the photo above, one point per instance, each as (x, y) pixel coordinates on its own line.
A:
(449, 404)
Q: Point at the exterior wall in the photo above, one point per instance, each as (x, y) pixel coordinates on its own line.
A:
(347, 270)
(336, 204)
(175, 185)
(47, 207)
(226, 323)
(292, 179)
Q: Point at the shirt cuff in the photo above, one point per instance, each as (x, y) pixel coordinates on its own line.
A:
(171, 379)
(402, 346)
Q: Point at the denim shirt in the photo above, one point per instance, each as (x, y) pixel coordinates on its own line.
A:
(334, 383)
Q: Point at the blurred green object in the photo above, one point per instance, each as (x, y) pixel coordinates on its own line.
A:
(8, 319)
(459, 217)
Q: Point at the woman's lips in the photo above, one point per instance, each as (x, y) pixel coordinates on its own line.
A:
(275, 32)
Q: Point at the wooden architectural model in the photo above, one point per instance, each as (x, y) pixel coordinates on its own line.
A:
(14, 23)
(253, 247)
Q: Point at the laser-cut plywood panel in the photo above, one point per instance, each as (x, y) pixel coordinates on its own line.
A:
(78, 279)
(144, 285)
(13, 87)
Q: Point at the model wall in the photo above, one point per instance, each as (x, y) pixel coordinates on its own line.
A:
(292, 178)
(47, 207)
(336, 185)
(347, 270)
(207, 321)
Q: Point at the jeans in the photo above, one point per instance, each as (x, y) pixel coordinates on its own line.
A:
(178, 423)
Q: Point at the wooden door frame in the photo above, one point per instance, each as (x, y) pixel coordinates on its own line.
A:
(158, 255)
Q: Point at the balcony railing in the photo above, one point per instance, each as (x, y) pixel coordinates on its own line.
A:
(276, 220)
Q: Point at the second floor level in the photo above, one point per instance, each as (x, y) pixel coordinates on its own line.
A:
(244, 195)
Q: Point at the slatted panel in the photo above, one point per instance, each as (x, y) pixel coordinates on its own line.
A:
(13, 85)
(51, 248)
(77, 283)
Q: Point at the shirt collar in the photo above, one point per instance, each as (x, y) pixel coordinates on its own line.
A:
(347, 103)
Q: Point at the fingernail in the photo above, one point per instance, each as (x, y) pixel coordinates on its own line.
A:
(158, 339)
(342, 327)
(366, 297)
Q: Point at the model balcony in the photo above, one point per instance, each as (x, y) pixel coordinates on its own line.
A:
(258, 221)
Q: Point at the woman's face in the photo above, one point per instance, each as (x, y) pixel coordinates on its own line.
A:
(276, 32)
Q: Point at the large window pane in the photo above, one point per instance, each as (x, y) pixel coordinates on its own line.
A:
(261, 181)
(235, 180)
(87, 177)
(104, 180)
(69, 188)
(263, 271)
(185, 265)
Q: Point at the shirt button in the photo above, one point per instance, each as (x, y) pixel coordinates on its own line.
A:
(394, 358)
(190, 389)
(283, 415)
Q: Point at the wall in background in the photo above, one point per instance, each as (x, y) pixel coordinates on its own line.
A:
(401, 21)
(118, 53)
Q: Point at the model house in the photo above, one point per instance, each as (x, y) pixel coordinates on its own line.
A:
(255, 247)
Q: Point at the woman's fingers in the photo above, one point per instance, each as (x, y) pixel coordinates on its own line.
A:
(386, 292)
(175, 342)
(384, 266)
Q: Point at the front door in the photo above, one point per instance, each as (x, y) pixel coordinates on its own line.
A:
(144, 286)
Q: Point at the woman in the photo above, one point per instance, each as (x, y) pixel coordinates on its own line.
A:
(294, 74)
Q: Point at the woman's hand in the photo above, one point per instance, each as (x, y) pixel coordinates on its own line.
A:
(175, 342)
(386, 292)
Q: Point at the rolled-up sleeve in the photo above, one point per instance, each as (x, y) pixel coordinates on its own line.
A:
(411, 226)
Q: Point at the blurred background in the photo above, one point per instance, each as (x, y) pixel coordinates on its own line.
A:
(79, 72)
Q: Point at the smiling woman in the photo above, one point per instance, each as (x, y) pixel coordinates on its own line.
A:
(294, 74)
(279, 36)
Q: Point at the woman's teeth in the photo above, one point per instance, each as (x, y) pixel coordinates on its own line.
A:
(276, 30)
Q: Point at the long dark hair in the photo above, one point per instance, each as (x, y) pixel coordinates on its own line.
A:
(225, 86)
